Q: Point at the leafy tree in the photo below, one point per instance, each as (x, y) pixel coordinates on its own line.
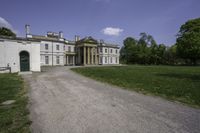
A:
(160, 53)
(188, 40)
(146, 51)
(6, 32)
(170, 55)
(129, 50)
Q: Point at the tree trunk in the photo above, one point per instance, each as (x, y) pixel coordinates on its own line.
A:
(194, 61)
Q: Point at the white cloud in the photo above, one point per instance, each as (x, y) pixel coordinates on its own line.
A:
(111, 31)
(5, 23)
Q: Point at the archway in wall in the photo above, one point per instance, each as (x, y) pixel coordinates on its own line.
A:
(24, 61)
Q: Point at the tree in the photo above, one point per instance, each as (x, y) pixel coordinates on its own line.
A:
(170, 55)
(6, 32)
(129, 51)
(188, 40)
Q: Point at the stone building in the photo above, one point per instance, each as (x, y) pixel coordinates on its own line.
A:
(33, 51)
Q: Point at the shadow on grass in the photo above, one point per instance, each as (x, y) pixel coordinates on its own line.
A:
(194, 77)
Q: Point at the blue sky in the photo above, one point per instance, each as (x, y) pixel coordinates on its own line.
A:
(111, 20)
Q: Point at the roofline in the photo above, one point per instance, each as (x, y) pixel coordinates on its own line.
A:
(18, 38)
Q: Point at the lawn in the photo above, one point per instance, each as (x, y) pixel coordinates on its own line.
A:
(179, 83)
(13, 117)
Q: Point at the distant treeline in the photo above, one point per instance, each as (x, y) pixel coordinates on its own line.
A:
(145, 50)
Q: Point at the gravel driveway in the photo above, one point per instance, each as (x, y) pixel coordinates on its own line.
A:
(62, 101)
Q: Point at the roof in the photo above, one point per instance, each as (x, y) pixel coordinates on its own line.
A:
(45, 38)
(88, 40)
(18, 38)
(108, 45)
(99, 43)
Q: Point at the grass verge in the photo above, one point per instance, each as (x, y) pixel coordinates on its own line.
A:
(13, 117)
(172, 82)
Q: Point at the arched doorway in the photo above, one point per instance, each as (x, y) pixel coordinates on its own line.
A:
(24, 61)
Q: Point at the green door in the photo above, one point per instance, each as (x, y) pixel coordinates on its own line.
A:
(24, 61)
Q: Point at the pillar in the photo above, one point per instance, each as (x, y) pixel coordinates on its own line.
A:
(78, 56)
(88, 48)
(67, 60)
(96, 59)
(73, 60)
(92, 54)
(84, 55)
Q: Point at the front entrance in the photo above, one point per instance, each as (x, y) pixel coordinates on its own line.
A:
(24, 61)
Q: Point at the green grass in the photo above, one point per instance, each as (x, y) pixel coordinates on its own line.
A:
(172, 82)
(14, 117)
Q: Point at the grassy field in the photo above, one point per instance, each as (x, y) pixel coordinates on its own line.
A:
(172, 82)
(14, 117)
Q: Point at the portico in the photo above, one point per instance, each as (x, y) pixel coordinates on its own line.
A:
(87, 52)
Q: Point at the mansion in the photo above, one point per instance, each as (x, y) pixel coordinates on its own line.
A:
(33, 51)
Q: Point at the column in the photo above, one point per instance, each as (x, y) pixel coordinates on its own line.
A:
(84, 55)
(88, 56)
(73, 60)
(67, 60)
(92, 54)
(96, 60)
(78, 55)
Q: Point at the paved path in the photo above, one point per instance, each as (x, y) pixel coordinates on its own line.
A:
(62, 101)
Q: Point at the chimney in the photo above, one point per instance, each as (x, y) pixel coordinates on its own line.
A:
(101, 41)
(60, 34)
(77, 38)
(27, 29)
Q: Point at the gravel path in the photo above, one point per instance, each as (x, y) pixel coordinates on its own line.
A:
(62, 101)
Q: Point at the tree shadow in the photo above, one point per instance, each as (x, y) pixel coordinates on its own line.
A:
(194, 77)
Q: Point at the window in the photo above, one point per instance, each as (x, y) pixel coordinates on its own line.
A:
(63, 47)
(116, 60)
(46, 46)
(110, 59)
(46, 59)
(57, 59)
(116, 51)
(57, 47)
(105, 59)
(111, 51)
(106, 51)
(69, 49)
(101, 60)
(101, 50)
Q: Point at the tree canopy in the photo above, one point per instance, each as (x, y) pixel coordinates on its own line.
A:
(188, 40)
(7, 32)
(145, 50)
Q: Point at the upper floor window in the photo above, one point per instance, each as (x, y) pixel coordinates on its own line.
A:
(57, 47)
(116, 51)
(69, 49)
(101, 50)
(106, 50)
(63, 47)
(110, 50)
(46, 46)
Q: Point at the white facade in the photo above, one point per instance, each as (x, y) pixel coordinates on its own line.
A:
(10, 54)
(52, 53)
(108, 55)
(53, 50)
